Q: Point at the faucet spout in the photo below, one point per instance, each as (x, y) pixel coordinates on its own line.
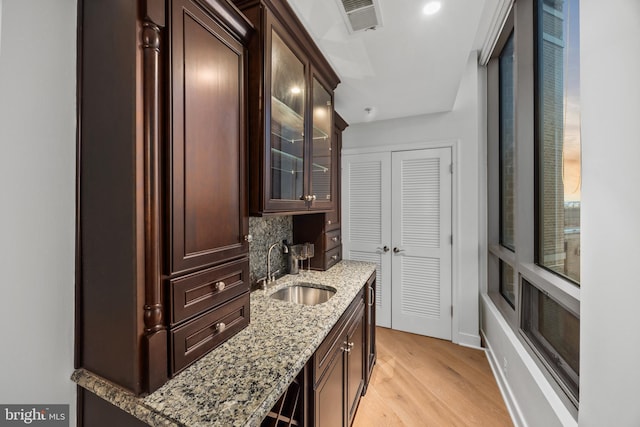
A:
(270, 277)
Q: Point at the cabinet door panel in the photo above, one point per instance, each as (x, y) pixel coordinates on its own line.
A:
(288, 121)
(370, 321)
(208, 205)
(329, 395)
(322, 166)
(355, 363)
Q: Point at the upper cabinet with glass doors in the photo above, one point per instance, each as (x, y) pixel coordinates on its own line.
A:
(292, 154)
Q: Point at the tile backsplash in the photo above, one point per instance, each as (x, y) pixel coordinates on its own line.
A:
(265, 232)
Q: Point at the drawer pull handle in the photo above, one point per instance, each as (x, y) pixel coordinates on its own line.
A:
(346, 350)
(220, 286)
(220, 327)
(335, 239)
(350, 345)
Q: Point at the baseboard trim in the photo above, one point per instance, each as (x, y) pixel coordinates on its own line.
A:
(505, 390)
(468, 340)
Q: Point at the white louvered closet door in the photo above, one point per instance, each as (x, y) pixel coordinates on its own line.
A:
(366, 220)
(421, 247)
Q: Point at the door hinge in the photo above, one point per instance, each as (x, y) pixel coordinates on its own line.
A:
(451, 168)
(451, 311)
(451, 239)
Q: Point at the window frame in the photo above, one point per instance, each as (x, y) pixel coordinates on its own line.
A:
(503, 45)
(543, 349)
(497, 252)
(522, 21)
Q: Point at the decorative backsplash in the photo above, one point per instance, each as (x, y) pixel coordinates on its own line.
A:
(267, 231)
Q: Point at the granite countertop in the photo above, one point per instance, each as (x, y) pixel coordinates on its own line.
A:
(238, 383)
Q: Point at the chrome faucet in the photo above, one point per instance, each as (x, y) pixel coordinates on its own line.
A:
(270, 277)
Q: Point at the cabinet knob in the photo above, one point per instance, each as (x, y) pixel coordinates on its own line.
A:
(329, 222)
(334, 257)
(313, 197)
(248, 238)
(220, 327)
(220, 286)
(335, 239)
(397, 251)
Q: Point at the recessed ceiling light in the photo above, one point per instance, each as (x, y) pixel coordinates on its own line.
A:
(431, 7)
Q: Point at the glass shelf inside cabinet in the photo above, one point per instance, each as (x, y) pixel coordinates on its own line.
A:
(287, 122)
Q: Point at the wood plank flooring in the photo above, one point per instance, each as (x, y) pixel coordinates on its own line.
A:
(422, 381)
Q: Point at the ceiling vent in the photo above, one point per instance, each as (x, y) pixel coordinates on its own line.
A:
(360, 15)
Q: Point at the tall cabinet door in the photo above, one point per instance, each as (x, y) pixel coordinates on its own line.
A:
(366, 219)
(421, 254)
(207, 159)
(322, 185)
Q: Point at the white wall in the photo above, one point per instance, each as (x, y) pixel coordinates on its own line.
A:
(461, 125)
(610, 291)
(37, 218)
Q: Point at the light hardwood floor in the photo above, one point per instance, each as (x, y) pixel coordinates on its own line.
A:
(422, 381)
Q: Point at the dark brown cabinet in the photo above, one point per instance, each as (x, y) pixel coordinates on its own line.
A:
(333, 217)
(339, 369)
(207, 203)
(162, 205)
(323, 229)
(327, 244)
(370, 325)
(291, 114)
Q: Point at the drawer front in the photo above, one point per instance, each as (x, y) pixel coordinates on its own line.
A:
(204, 333)
(333, 256)
(199, 292)
(332, 220)
(332, 239)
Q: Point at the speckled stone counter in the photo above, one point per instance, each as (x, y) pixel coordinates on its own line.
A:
(237, 383)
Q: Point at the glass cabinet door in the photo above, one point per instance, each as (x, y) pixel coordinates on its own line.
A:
(287, 122)
(321, 145)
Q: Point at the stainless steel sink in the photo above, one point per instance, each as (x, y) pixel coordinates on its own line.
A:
(305, 293)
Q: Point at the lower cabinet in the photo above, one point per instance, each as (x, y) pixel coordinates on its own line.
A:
(370, 320)
(339, 369)
(330, 385)
(355, 364)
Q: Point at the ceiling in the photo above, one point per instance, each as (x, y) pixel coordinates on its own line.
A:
(410, 65)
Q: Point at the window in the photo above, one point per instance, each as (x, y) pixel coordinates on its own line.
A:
(533, 149)
(558, 136)
(508, 283)
(554, 331)
(507, 145)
